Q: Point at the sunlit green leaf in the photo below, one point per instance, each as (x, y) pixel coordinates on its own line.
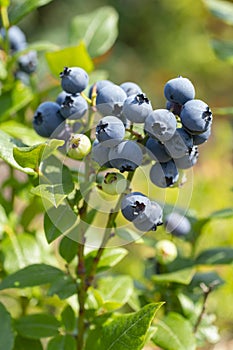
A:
(221, 9)
(123, 332)
(69, 57)
(21, 8)
(181, 276)
(37, 326)
(174, 332)
(6, 329)
(98, 29)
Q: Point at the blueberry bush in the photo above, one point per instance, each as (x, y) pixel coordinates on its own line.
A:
(81, 159)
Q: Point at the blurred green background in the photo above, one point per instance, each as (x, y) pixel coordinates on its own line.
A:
(159, 40)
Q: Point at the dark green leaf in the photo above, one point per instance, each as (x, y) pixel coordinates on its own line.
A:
(223, 49)
(124, 332)
(6, 153)
(211, 278)
(215, 256)
(33, 275)
(23, 7)
(62, 342)
(30, 157)
(68, 248)
(6, 329)
(68, 318)
(37, 326)
(221, 9)
(174, 332)
(63, 287)
(27, 344)
(70, 57)
(181, 276)
(98, 29)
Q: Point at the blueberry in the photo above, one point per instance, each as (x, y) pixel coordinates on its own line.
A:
(74, 79)
(196, 116)
(131, 88)
(201, 138)
(28, 62)
(179, 144)
(16, 37)
(136, 108)
(152, 221)
(174, 107)
(74, 107)
(179, 90)
(99, 154)
(97, 86)
(135, 206)
(164, 174)
(61, 97)
(177, 224)
(165, 251)
(160, 124)
(114, 183)
(126, 156)
(47, 118)
(110, 131)
(109, 100)
(188, 160)
(157, 151)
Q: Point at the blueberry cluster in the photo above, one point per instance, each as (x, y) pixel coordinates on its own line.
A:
(169, 136)
(27, 62)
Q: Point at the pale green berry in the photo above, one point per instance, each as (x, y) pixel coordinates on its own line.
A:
(114, 183)
(79, 145)
(165, 251)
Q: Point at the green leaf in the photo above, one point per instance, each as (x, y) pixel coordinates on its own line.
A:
(222, 214)
(19, 131)
(215, 256)
(62, 342)
(22, 8)
(181, 276)
(20, 251)
(211, 278)
(30, 157)
(68, 249)
(7, 143)
(6, 329)
(115, 291)
(109, 258)
(128, 235)
(33, 275)
(174, 332)
(124, 332)
(3, 219)
(223, 49)
(37, 326)
(64, 287)
(27, 344)
(69, 57)
(14, 100)
(68, 318)
(221, 9)
(98, 29)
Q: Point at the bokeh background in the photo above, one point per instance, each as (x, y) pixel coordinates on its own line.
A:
(159, 40)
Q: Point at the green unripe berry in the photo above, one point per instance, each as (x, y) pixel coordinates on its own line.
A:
(114, 183)
(79, 145)
(165, 251)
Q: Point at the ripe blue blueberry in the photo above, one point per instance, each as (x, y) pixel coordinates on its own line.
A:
(136, 108)
(110, 131)
(135, 206)
(196, 116)
(74, 79)
(61, 97)
(109, 100)
(99, 154)
(179, 90)
(179, 144)
(157, 150)
(131, 88)
(126, 156)
(174, 107)
(47, 118)
(151, 222)
(28, 62)
(188, 160)
(16, 37)
(164, 174)
(201, 138)
(74, 107)
(97, 86)
(177, 224)
(160, 124)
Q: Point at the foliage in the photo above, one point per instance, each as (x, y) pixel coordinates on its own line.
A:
(45, 269)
